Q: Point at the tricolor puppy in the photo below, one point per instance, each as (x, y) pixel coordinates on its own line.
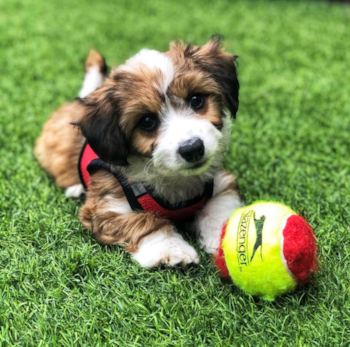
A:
(147, 143)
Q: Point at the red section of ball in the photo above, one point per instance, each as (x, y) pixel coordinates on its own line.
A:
(220, 257)
(299, 248)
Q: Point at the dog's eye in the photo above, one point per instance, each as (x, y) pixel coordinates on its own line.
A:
(196, 101)
(148, 122)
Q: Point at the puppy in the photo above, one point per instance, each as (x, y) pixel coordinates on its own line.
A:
(147, 143)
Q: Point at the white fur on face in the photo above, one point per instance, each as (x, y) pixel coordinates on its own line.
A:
(168, 180)
(179, 126)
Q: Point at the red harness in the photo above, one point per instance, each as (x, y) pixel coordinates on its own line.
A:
(138, 196)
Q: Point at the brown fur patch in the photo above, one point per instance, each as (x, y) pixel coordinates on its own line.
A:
(95, 58)
(58, 148)
(212, 111)
(195, 78)
(209, 60)
(194, 82)
(109, 227)
(137, 95)
(143, 142)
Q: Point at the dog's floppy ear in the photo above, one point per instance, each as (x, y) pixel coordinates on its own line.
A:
(221, 66)
(100, 125)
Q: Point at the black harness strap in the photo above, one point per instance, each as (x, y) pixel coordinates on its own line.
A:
(97, 164)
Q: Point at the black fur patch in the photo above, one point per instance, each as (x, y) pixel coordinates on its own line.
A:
(104, 67)
(100, 126)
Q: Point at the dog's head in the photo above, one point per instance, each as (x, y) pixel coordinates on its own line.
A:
(171, 110)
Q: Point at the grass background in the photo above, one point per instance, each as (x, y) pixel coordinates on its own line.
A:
(290, 143)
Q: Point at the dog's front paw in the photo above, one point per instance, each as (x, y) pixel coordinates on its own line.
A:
(209, 228)
(210, 243)
(165, 248)
(211, 219)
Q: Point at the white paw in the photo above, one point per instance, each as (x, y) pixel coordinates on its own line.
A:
(210, 221)
(75, 191)
(165, 248)
(210, 243)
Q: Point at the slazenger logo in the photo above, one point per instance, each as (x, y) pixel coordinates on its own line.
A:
(244, 258)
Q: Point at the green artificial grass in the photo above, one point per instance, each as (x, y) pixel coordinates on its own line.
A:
(290, 143)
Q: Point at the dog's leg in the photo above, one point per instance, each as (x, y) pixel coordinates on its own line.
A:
(215, 213)
(152, 240)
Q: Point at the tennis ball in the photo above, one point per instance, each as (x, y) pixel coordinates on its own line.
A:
(267, 249)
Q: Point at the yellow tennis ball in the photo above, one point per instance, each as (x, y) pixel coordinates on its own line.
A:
(267, 249)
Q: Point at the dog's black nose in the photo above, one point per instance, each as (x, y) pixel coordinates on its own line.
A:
(192, 150)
